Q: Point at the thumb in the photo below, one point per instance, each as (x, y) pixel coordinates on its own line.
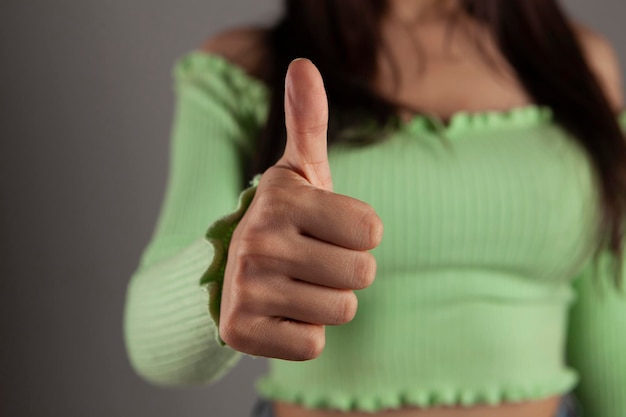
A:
(306, 120)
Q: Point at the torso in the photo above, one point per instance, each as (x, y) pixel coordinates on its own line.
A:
(443, 79)
(544, 408)
(453, 78)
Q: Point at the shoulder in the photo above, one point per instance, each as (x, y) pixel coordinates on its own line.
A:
(245, 47)
(603, 59)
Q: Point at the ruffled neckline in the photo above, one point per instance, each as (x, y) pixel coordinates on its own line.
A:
(523, 116)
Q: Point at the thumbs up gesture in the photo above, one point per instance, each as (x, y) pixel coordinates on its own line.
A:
(300, 250)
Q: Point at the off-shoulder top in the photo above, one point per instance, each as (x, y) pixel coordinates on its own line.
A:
(483, 291)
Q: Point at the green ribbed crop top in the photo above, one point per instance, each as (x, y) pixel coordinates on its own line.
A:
(483, 291)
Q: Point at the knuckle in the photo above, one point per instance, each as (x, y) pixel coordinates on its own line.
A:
(247, 264)
(243, 293)
(244, 333)
(271, 212)
(369, 226)
(254, 251)
(244, 282)
(232, 333)
(305, 131)
(250, 289)
(247, 267)
(262, 220)
(266, 200)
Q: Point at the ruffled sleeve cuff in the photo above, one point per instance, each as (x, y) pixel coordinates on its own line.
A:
(219, 236)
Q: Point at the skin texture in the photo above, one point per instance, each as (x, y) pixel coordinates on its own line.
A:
(300, 250)
(282, 252)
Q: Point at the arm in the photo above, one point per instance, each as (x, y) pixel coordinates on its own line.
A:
(169, 334)
(597, 343)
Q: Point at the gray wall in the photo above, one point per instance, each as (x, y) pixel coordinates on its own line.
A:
(85, 110)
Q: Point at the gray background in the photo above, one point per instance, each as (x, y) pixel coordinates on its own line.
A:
(85, 111)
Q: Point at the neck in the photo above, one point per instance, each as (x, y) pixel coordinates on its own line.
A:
(412, 11)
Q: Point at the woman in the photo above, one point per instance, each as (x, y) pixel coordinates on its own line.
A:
(482, 135)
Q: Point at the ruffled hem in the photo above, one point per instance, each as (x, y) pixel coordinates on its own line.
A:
(419, 396)
(197, 63)
(463, 121)
(531, 115)
(219, 235)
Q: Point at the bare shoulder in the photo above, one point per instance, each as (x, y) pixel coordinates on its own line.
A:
(603, 59)
(244, 46)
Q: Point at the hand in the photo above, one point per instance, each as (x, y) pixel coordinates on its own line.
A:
(300, 250)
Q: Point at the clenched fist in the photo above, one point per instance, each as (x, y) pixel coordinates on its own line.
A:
(300, 250)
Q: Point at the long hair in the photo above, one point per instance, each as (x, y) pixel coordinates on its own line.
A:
(343, 39)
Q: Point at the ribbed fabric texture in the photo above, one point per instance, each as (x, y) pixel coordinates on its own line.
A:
(170, 337)
(483, 291)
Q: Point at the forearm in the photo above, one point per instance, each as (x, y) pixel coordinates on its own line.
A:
(170, 337)
(597, 345)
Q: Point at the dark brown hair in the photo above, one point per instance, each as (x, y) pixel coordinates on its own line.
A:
(342, 38)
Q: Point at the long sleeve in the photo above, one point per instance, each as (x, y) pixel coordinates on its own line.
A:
(169, 334)
(597, 343)
(597, 339)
